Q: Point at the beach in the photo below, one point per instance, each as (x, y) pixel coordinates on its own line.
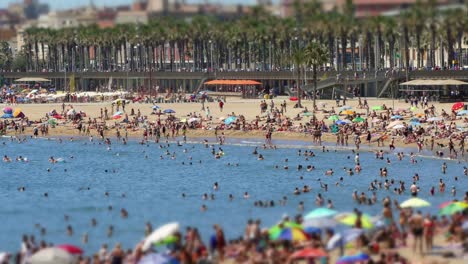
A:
(250, 108)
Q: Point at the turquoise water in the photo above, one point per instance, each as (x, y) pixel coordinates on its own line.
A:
(153, 187)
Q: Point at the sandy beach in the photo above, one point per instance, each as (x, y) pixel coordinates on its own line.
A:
(250, 108)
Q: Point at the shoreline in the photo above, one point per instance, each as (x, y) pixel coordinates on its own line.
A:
(235, 137)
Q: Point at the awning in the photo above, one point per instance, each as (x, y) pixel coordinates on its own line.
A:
(32, 79)
(419, 82)
(232, 82)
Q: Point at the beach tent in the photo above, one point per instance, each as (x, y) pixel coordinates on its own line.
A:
(420, 82)
(32, 79)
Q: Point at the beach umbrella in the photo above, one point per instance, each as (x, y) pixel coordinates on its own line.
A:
(453, 207)
(414, 202)
(457, 106)
(229, 120)
(7, 110)
(155, 107)
(394, 123)
(358, 119)
(396, 117)
(323, 222)
(340, 239)
(52, 256)
(160, 234)
(377, 107)
(343, 122)
(413, 108)
(157, 258)
(347, 112)
(169, 111)
(398, 127)
(307, 114)
(52, 121)
(462, 113)
(320, 212)
(17, 112)
(432, 119)
(346, 107)
(292, 234)
(293, 98)
(308, 253)
(414, 119)
(350, 220)
(415, 123)
(334, 118)
(74, 250)
(116, 116)
(193, 119)
(7, 116)
(353, 259)
(310, 230)
(275, 230)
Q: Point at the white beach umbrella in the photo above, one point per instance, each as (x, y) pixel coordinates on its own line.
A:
(52, 256)
(159, 234)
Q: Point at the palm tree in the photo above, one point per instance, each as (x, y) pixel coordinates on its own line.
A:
(299, 58)
(315, 55)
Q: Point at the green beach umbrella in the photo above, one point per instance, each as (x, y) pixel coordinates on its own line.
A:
(307, 114)
(377, 107)
(358, 119)
(275, 231)
(334, 118)
(414, 202)
(453, 208)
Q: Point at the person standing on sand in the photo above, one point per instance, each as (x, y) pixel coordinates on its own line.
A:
(221, 105)
(417, 227)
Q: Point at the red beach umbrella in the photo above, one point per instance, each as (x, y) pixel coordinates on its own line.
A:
(308, 253)
(74, 250)
(293, 98)
(457, 106)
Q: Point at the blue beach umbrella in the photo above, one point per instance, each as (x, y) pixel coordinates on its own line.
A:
(320, 212)
(342, 122)
(229, 120)
(462, 113)
(155, 107)
(397, 117)
(169, 111)
(353, 258)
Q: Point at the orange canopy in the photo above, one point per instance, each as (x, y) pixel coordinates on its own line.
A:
(232, 82)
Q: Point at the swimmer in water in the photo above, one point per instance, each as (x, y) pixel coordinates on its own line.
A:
(329, 172)
(260, 157)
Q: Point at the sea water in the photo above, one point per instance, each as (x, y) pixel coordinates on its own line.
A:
(153, 187)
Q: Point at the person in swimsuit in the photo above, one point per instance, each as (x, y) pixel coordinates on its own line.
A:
(416, 223)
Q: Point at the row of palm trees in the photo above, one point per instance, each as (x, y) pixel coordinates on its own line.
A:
(257, 41)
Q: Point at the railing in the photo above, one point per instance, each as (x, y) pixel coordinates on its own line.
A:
(254, 75)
